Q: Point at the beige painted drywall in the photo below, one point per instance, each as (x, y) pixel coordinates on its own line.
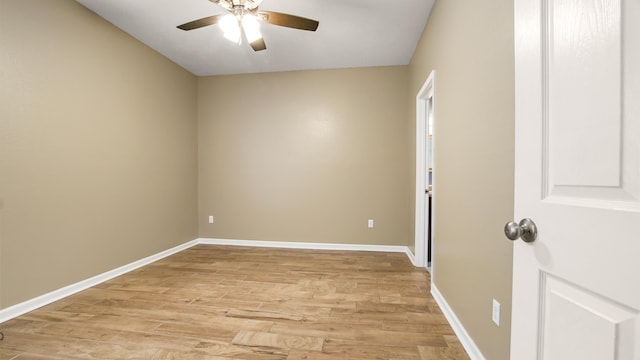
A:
(98, 153)
(305, 156)
(470, 45)
(97, 148)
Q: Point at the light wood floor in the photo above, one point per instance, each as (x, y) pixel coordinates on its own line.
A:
(217, 302)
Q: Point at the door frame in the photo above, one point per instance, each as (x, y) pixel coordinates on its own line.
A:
(421, 211)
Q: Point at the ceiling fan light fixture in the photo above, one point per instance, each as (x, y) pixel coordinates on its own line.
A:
(231, 28)
(244, 20)
(251, 28)
(252, 4)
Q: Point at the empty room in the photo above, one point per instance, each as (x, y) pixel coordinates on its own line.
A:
(279, 179)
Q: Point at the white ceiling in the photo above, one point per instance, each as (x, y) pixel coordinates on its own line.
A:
(352, 33)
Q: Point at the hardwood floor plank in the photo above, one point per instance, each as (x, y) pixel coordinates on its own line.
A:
(355, 349)
(102, 350)
(8, 354)
(230, 303)
(23, 325)
(219, 333)
(327, 329)
(442, 353)
(32, 356)
(235, 352)
(56, 316)
(179, 355)
(34, 343)
(279, 341)
(78, 331)
(262, 315)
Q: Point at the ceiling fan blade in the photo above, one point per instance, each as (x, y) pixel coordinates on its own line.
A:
(287, 20)
(195, 24)
(258, 45)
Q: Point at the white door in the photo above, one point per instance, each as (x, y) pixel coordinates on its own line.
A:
(576, 288)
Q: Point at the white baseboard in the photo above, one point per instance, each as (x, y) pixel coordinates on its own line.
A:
(40, 301)
(304, 245)
(411, 257)
(466, 341)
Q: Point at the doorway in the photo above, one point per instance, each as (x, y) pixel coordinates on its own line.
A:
(425, 170)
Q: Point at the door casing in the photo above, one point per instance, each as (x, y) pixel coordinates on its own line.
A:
(421, 210)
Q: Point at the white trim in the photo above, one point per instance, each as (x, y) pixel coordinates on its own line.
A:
(40, 301)
(304, 245)
(411, 257)
(426, 92)
(466, 341)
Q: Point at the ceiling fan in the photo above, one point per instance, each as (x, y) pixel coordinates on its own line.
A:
(244, 20)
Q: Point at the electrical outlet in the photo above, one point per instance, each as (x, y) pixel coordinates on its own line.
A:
(370, 224)
(210, 219)
(495, 313)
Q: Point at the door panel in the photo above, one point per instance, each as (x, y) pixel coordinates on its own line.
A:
(578, 177)
(583, 153)
(591, 138)
(592, 327)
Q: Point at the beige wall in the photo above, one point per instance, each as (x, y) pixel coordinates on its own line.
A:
(98, 162)
(470, 45)
(97, 148)
(305, 156)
